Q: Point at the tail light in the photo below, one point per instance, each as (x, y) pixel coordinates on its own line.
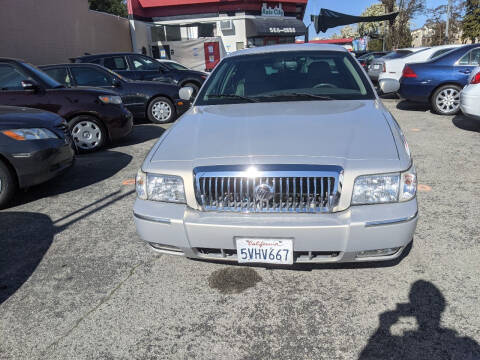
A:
(476, 79)
(408, 72)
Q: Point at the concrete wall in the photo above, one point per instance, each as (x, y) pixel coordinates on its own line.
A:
(52, 31)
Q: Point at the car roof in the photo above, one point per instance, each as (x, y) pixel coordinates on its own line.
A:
(288, 47)
(105, 54)
(70, 64)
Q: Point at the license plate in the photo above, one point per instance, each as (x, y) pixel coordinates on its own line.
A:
(269, 251)
(376, 66)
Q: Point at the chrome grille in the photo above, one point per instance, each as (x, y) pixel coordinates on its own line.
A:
(268, 188)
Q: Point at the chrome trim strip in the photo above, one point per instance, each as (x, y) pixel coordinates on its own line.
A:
(151, 218)
(390, 222)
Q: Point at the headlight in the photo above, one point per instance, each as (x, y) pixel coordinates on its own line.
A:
(30, 134)
(385, 188)
(168, 188)
(110, 99)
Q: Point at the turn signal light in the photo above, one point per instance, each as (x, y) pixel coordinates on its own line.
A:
(408, 72)
(476, 79)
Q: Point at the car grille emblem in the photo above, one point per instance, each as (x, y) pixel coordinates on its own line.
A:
(264, 192)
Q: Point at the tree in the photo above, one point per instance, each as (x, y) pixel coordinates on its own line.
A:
(398, 34)
(115, 7)
(471, 21)
(436, 23)
(372, 29)
(349, 31)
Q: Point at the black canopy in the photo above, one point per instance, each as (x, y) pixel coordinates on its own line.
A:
(274, 26)
(329, 19)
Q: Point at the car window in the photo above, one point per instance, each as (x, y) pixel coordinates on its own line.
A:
(11, 77)
(144, 63)
(87, 76)
(440, 52)
(174, 65)
(472, 58)
(60, 74)
(115, 63)
(286, 76)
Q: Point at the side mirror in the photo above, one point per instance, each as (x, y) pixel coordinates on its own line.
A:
(389, 85)
(116, 83)
(29, 85)
(186, 93)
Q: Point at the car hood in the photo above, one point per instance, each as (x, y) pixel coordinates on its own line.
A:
(18, 117)
(336, 129)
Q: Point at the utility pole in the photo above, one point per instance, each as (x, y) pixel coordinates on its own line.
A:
(449, 10)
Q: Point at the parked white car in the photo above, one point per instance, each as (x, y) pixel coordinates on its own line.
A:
(393, 69)
(470, 96)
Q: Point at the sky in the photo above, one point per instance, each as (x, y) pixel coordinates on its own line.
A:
(353, 7)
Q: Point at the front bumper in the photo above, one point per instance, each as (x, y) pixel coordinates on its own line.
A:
(317, 238)
(40, 160)
(120, 124)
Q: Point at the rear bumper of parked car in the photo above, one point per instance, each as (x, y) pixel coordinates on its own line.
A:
(470, 101)
(40, 160)
(317, 238)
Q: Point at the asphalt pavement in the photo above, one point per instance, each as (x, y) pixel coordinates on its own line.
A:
(76, 282)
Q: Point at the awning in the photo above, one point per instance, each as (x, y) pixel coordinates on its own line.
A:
(274, 27)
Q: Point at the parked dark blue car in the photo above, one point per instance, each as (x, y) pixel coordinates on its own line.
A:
(440, 81)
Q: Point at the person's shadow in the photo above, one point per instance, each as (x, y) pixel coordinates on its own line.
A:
(429, 341)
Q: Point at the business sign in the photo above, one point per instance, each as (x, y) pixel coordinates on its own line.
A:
(272, 11)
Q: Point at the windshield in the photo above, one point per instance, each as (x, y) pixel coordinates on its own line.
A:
(286, 76)
(173, 65)
(49, 81)
(397, 54)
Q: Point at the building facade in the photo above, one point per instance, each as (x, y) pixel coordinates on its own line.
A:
(159, 25)
(52, 31)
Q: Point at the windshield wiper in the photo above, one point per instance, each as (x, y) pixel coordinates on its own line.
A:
(232, 96)
(313, 96)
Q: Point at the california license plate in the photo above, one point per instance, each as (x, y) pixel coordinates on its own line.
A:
(269, 251)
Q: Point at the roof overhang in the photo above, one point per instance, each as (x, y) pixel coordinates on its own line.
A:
(271, 26)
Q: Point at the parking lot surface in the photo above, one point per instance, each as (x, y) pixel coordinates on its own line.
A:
(76, 282)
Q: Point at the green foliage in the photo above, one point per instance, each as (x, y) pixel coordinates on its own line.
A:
(115, 7)
(471, 21)
(374, 29)
(375, 45)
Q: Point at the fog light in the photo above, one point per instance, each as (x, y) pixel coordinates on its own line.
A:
(378, 252)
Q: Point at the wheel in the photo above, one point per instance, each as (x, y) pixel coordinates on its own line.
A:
(195, 88)
(8, 185)
(161, 111)
(88, 133)
(446, 100)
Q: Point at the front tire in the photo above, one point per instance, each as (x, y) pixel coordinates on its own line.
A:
(161, 110)
(8, 185)
(88, 133)
(446, 100)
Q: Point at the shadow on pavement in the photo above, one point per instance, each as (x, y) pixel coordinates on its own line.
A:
(428, 341)
(87, 170)
(25, 237)
(140, 134)
(465, 123)
(413, 106)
